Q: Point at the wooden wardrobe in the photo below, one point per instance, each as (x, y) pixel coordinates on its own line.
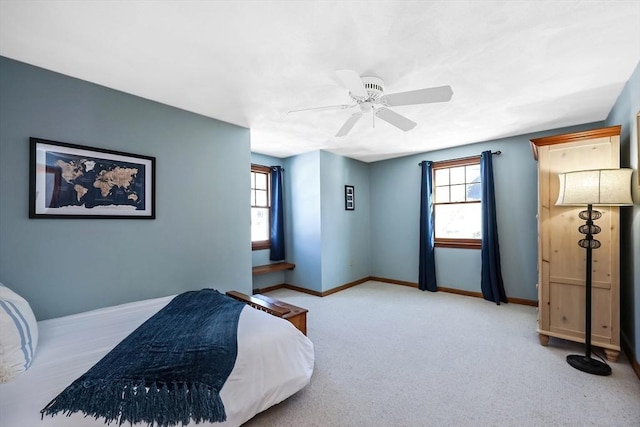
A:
(561, 262)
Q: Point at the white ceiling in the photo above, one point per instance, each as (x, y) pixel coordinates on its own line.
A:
(515, 66)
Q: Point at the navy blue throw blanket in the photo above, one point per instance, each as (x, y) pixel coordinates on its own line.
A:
(168, 371)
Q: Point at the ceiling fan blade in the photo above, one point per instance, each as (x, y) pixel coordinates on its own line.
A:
(395, 119)
(325, 108)
(420, 96)
(352, 81)
(348, 125)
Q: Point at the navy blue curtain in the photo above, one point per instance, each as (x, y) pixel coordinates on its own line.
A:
(427, 267)
(491, 284)
(277, 215)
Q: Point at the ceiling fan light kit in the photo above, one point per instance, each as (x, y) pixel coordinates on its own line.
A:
(368, 93)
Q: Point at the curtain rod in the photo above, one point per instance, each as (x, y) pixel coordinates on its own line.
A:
(497, 153)
(263, 166)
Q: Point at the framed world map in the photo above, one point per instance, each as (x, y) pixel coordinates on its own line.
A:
(74, 181)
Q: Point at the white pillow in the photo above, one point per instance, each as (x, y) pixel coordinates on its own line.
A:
(18, 334)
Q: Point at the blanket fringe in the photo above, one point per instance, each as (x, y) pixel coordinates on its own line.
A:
(123, 401)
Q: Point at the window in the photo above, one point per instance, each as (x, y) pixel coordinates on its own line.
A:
(457, 210)
(260, 209)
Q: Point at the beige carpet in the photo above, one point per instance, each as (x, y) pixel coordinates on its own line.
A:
(389, 355)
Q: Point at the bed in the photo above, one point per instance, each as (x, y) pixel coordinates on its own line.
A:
(274, 361)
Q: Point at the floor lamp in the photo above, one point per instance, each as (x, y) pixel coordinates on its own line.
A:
(604, 187)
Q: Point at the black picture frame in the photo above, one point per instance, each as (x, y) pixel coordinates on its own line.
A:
(349, 198)
(76, 181)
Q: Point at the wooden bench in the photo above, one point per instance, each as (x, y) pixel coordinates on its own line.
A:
(296, 315)
(269, 268)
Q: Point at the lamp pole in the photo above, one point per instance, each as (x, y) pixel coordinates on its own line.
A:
(589, 240)
(586, 363)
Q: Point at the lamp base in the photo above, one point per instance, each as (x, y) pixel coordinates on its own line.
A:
(588, 365)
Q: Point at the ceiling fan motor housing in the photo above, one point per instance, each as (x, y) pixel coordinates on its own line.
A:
(374, 87)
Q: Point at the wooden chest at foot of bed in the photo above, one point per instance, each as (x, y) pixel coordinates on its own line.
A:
(296, 315)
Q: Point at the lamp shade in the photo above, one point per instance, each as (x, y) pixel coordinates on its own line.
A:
(608, 187)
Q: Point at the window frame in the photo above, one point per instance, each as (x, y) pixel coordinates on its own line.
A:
(442, 242)
(262, 244)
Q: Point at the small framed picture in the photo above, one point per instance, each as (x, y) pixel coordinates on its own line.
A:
(74, 181)
(349, 198)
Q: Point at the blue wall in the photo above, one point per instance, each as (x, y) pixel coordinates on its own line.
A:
(624, 113)
(303, 234)
(395, 197)
(200, 237)
(346, 235)
(329, 245)
(332, 247)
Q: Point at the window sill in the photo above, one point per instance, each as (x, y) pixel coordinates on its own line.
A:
(459, 243)
(269, 268)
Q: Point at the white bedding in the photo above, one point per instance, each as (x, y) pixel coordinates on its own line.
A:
(274, 361)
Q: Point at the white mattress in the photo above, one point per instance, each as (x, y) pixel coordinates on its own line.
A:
(274, 361)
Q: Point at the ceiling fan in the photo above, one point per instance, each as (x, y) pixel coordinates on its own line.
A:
(368, 94)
